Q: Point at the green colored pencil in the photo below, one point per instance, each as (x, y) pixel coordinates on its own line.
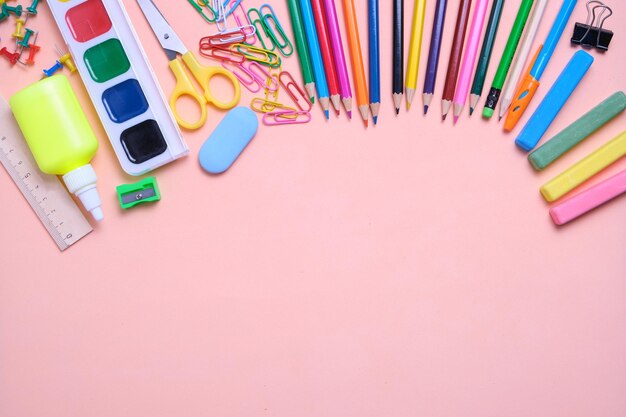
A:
(507, 58)
(485, 53)
(301, 48)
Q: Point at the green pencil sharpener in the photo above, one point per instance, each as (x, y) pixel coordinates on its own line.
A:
(144, 191)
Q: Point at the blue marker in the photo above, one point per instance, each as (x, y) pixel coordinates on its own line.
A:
(374, 54)
(530, 82)
(555, 99)
(316, 54)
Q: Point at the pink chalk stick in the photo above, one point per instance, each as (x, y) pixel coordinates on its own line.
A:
(589, 199)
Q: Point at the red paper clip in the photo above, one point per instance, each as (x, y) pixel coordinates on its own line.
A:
(223, 54)
(230, 36)
(286, 118)
(290, 85)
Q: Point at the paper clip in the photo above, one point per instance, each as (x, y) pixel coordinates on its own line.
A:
(261, 105)
(261, 29)
(244, 75)
(198, 8)
(228, 37)
(295, 91)
(590, 36)
(275, 30)
(222, 54)
(241, 18)
(260, 55)
(232, 8)
(263, 77)
(286, 118)
(218, 10)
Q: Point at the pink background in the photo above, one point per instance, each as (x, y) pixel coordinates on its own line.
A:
(410, 269)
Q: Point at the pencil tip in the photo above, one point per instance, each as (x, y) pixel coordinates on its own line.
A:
(397, 111)
(499, 118)
(349, 114)
(471, 111)
(375, 120)
(425, 108)
(455, 119)
(365, 121)
(312, 100)
(443, 118)
(327, 114)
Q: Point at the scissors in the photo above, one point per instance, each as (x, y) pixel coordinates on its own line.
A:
(173, 46)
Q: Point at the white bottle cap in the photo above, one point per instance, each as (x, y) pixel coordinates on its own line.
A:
(82, 183)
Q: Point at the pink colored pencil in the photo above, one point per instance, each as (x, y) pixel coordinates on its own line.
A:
(589, 199)
(469, 59)
(340, 59)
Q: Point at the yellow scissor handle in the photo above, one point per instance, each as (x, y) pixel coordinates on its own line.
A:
(203, 75)
(185, 88)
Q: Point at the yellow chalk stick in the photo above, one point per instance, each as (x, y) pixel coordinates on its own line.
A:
(585, 168)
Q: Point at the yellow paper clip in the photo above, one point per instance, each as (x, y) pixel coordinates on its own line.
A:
(260, 55)
(260, 105)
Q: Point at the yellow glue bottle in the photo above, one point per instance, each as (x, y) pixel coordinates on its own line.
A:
(59, 136)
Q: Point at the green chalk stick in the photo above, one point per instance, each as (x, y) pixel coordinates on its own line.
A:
(578, 131)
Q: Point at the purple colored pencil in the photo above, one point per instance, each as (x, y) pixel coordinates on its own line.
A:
(340, 59)
(433, 53)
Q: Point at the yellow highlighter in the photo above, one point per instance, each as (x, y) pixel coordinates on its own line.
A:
(586, 168)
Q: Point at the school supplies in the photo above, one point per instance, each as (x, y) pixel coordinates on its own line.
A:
(339, 56)
(590, 34)
(357, 59)
(589, 199)
(121, 84)
(586, 168)
(485, 54)
(469, 57)
(327, 54)
(530, 31)
(316, 55)
(44, 193)
(59, 136)
(173, 46)
(303, 51)
(507, 57)
(374, 58)
(415, 48)
(397, 87)
(433, 53)
(454, 62)
(144, 191)
(578, 131)
(228, 140)
(554, 101)
(530, 83)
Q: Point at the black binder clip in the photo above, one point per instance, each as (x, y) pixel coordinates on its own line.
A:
(590, 34)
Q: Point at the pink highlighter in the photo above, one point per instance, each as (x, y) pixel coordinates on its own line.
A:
(589, 199)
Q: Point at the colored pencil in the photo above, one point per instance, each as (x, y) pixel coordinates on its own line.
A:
(415, 48)
(327, 54)
(507, 57)
(316, 55)
(397, 87)
(455, 56)
(356, 58)
(374, 58)
(530, 32)
(469, 58)
(301, 48)
(485, 53)
(341, 67)
(433, 54)
(530, 83)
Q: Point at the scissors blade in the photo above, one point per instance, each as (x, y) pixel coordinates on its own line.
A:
(169, 40)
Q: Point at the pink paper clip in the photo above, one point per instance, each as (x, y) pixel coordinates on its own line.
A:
(286, 118)
(240, 14)
(222, 54)
(298, 95)
(262, 76)
(228, 37)
(243, 74)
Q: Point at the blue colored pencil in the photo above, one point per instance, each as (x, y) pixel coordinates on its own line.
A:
(374, 55)
(433, 53)
(316, 55)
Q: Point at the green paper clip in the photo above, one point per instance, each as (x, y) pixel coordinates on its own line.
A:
(275, 31)
(198, 8)
(261, 29)
(144, 191)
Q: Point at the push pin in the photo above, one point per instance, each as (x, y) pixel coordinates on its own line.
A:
(25, 38)
(32, 50)
(16, 10)
(3, 13)
(57, 66)
(19, 25)
(143, 191)
(66, 59)
(590, 34)
(11, 56)
(32, 9)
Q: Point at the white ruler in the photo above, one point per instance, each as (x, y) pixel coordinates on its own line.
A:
(46, 195)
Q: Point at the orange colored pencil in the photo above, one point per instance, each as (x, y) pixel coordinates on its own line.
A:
(358, 71)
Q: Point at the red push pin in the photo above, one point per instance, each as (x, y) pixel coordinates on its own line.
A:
(11, 56)
(33, 49)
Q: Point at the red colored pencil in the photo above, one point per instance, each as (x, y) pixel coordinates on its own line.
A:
(327, 54)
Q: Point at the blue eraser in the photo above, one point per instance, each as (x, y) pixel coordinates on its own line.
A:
(554, 101)
(228, 140)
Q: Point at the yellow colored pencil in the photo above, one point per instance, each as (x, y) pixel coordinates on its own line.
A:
(414, 50)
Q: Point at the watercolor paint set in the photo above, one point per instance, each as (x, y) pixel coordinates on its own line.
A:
(120, 82)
